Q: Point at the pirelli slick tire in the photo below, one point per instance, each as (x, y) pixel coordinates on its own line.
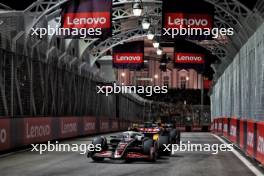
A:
(163, 140)
(173, 136)
(97, 159)
(147, 144)
(150, 148)
(153, 154)
(103, 142)
(178, 137)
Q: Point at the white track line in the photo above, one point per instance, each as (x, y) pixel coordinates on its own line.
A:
(255, 170)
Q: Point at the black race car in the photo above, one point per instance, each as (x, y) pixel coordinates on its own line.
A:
(125, 146)
(174, 134)
(163, 134)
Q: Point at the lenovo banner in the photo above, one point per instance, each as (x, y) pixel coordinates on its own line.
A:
(4, 134)
(215, 125)
(250, 137)
(129, 55)
(177, 20)
(37, 130)
(260, 142)
(225, 127)
(104, 125)
(220, 125)
(212, 127)
(69, 127)
(114, 126)
(89, 125)
(88, 18)
(233, 130)
(190, 19)
(187, 60)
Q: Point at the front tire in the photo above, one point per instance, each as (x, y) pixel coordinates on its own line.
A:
(97, 159)
(103, 142)
(163, 140)
(150, 148)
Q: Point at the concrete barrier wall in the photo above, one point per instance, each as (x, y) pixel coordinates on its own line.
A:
(248, 135)
(18, 132)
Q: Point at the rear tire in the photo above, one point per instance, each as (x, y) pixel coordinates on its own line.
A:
(153, 154)
(173, 136)
(178, 137)
(163, 140)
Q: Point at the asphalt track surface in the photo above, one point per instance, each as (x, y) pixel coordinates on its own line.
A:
(29, 163)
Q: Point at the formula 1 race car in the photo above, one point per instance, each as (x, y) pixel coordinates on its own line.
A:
(163, 134)
(127, 146)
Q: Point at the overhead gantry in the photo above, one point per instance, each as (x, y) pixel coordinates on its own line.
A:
(83, 53)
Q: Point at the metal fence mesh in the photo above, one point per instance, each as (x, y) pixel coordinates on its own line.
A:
(240, 90)
(33, 87)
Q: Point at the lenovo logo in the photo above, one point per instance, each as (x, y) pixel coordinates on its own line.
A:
(114, 125)
(189, 58)
(68, 128)
(89, 126)
(104, 125)
(128, 58)
(3, 135)
(87, 20)
(187, 22)
(77, 21)
(233, 130)
(260, 147)
(35, 131)
(225, 128)
(250, 137)
(177, 20)
(220, 126)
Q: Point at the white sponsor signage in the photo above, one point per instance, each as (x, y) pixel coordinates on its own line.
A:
(104, 126)
(83, 21)
(3, 135)
(260, 147)
(68, 127)
(250, 137)
(225, 127)
(88, 126)
(128, 58)
(233, 130)
(34, 131)
(187, 21)
(189, 58)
